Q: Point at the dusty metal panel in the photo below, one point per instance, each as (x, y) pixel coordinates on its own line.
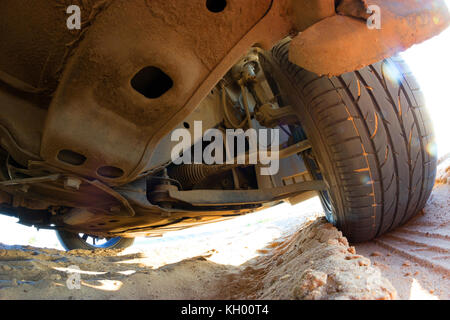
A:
(35, 42)
(305, 13)
(341, 44)
(21, 124)
(96, 112)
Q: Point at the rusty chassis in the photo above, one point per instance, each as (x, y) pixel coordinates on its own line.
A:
(86, 115)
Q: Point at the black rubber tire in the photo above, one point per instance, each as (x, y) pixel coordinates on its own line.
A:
(371, 137)
(72, 241)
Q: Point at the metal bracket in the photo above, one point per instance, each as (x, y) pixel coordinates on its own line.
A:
(270, 117)
(239, 197)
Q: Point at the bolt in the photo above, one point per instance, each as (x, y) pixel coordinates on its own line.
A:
(72, 183)
(115, 209)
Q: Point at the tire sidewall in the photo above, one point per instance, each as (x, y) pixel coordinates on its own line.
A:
(294, 97)
(71, 241)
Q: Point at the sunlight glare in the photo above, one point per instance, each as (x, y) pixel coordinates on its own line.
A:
(419, 293)
(106, 285)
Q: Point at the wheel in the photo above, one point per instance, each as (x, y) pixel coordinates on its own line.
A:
(71, 241)
(371, 138)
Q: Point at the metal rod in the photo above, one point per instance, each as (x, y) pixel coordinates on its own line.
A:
(239, 197)
(281, 154)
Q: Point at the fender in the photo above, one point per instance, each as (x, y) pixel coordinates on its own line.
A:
(343, 42)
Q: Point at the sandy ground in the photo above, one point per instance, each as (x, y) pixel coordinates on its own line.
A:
(286, 253)
(314, 263)
(292, 256)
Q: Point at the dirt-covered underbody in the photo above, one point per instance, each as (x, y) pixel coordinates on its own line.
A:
(87, 113)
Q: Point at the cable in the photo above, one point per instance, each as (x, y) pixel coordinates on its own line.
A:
(225, 110)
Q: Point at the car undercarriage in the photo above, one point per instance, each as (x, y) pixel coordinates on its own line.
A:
(88, 114)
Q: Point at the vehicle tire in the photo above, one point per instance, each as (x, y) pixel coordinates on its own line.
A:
(71, 241)
(371, 137)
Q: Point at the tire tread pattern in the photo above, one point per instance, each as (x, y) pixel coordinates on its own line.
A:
(379, 137)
